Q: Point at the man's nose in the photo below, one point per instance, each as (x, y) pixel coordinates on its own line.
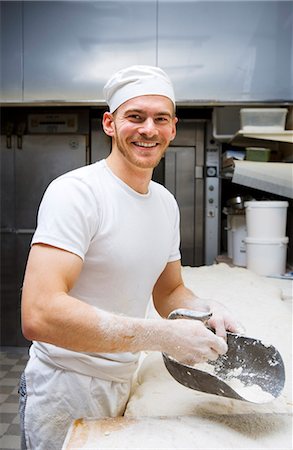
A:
(148, 128)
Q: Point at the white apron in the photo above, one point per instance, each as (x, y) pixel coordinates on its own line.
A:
(55, 397)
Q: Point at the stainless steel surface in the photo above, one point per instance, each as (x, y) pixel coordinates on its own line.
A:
(237, 203)
(199, 222)
(184, 175)
(212, 198)
(180, 180)
(41, 159)
(215, 51)
(52, 123)
(11, 64)
(218, 50)
(7, 187)
(71, 48)
(26, 171)
(184, 163)
(100, 142)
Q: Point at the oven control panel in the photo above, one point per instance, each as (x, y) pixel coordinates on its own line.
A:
(52, 123)
(212, 200)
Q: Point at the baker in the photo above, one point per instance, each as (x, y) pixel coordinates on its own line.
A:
(107, 240)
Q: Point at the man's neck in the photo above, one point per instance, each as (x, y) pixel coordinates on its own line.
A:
(135, 177)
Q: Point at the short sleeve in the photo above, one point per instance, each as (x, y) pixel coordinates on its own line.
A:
(175, 250)
(68, 216)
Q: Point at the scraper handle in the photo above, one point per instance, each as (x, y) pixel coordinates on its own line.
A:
(190, 314)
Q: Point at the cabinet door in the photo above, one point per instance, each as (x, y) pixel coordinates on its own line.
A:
(38, 161)
(11, 74)
(180, 180)
(7, 182)
(227, 51)
(28, 165)
(71, 48)
(10, 288)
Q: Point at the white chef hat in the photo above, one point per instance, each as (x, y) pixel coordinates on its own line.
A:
(135, 81)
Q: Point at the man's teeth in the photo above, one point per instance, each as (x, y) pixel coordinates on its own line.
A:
(146, 144)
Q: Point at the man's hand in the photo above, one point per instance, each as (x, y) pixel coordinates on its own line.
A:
(190, 342)
(221, 320)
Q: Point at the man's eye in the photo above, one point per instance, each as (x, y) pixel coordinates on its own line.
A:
(134, 117)
(162, 119)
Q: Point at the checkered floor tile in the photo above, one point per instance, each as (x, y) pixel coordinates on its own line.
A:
(12, 363)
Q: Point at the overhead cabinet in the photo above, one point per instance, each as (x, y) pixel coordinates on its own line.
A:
(71, 48)
(214, 51)
(11, 56)
(227, 51)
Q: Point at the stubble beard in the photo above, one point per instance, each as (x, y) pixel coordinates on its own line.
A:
(131, 157)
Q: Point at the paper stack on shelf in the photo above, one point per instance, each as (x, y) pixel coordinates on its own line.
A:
(230, 155)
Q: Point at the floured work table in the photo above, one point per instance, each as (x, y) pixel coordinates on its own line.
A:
(163, 414)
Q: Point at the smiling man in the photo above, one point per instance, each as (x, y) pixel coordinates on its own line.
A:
(107, 240)
(142, 129)
(143, 125)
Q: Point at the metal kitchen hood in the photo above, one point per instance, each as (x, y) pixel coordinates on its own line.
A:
(215, 52)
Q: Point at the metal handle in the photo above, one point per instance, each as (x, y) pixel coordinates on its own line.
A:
(190, 314)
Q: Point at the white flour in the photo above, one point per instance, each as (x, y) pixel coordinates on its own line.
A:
(253, 392)
(236, 424)
(181, 433)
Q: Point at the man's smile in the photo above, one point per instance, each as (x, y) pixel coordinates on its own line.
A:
(145, 144)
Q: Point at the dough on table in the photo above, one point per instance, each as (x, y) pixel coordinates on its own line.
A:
(223, 422)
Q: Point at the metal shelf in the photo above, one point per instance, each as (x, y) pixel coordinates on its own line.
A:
(247, 138)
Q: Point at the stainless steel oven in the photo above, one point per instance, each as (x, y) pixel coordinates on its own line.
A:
(37, 148)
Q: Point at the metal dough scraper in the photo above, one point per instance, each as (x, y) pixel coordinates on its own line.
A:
(248, 362)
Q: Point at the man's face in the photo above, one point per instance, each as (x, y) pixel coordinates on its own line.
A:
(142, 129)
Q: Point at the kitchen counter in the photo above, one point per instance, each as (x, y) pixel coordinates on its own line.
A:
(181, 433)
(162, 413)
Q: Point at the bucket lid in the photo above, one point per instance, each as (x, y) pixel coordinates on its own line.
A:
(266, 204)
(276, 241)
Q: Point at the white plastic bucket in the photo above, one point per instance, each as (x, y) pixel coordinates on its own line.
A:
(266, 256)
(239, 233)
(266, 219)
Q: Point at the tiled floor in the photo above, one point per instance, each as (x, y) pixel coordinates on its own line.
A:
(12, 363)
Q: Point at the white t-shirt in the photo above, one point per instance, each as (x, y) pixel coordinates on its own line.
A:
(125, 240)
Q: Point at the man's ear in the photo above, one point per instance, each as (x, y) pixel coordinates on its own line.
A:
(175, 120)
(108, 124)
